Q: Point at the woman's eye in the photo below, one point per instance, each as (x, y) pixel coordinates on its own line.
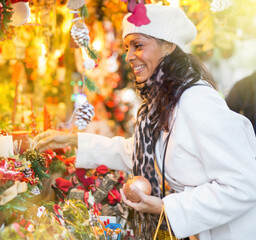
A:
(138, 46)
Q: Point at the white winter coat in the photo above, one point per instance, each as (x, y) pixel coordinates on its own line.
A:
(210, 163)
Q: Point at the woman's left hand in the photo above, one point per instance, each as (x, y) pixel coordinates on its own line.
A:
(148, 204)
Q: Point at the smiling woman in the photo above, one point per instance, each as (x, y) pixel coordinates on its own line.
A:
(144, 54)
(184, 128)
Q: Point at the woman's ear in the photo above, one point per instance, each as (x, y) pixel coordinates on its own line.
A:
(169, 48)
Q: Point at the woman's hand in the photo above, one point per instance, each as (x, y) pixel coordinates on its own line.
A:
(148, 204)
(52, 139)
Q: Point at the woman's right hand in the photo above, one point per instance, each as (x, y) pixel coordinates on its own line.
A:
(52, 139)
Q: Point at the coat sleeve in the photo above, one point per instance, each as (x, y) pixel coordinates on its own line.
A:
(227, 151)
(95, 150)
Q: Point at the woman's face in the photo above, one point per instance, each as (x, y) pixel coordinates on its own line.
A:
(144, 54)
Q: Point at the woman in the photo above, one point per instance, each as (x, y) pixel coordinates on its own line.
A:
(205, 151)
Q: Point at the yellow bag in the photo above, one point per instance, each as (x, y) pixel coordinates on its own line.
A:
(161, 234)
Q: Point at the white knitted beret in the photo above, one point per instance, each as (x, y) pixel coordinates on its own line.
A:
(167, 23)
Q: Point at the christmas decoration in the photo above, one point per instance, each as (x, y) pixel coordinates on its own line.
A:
(37, 163)
(20, 141)
(220, 5)
(80, 34)
(75, 4)
(47, 119)
(140, 182)
(33, 123)
(84, 115)
(6, 14)
(89, 64)
(21, 13)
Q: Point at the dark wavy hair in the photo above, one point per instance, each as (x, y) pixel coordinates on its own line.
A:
(181, 71)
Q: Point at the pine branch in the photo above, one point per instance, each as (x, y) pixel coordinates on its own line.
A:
(84, 11)
(90, 85)
(93, 54)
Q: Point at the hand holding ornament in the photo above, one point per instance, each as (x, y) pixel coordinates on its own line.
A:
(137, 196)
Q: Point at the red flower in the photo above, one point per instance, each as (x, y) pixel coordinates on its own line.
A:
(80, 173)
(88, 181)
(114, 196)
(63, 184)
(60, 150)
(102, 169)
(70, 160)
(50, 153)
(61, 158)
(121, 179)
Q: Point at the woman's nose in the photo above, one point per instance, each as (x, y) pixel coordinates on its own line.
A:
(129, 56)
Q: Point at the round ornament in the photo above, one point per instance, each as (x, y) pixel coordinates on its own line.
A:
(89, 64)
(140, 182)
(21, 13)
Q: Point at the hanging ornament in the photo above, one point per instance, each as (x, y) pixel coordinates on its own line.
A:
(80, 34)
(84, 115)
(21, 13)
(220, 5)
(89, 64)
(72, 43)
(75, 4)
(139, 16)
(5, 18)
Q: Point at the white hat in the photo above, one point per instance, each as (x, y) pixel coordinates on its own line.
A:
(167, 23)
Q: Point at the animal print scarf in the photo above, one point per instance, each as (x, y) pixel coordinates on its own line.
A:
(144, 149)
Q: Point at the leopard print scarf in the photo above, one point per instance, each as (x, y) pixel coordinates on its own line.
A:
(144, 150)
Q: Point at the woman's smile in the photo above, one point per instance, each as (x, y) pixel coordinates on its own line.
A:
(139, 69)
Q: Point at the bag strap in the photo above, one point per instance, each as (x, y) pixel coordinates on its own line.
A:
(161, 218)
(165, 150)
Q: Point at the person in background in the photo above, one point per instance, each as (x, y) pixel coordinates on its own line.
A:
(242, 98)
(205, 151)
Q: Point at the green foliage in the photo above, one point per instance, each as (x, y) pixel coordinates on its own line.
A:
(84, 11)
(57, 166)
(17, 205)
(39, 171)
(37, 163)
(6, 13)
(77, 218)
(93, 54)
(90, 85)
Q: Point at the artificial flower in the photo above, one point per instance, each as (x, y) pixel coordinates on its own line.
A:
(63, 184)
(102, 169)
